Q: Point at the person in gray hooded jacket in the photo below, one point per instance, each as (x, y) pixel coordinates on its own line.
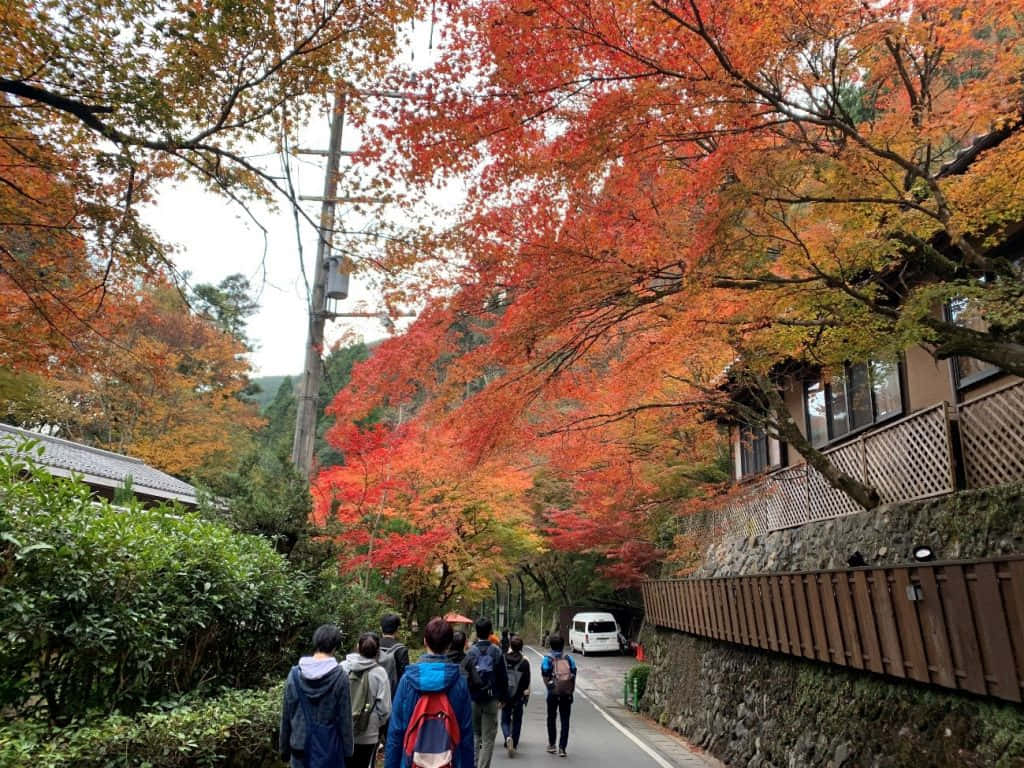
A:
(325, 685)
(377, 698)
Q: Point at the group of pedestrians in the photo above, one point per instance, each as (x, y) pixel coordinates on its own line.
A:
(441, 712)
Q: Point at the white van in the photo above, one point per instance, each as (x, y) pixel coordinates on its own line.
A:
(592, 632)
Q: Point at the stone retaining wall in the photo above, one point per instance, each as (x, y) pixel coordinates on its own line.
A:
(756, 709)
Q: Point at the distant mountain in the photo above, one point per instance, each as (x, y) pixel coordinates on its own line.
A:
(268, 386)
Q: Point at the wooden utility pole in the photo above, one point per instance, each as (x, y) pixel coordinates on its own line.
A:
(309, 388)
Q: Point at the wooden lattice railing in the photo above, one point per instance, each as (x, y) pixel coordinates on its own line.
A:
(958, 625)
(992, 437)
(911, 458)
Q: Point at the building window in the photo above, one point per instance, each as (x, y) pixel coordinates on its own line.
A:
(968, 370)
(861, 395)
(753, 450)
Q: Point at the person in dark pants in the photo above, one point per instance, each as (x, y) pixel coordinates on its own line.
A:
(488, 686)
(559, 673)
(519, 693)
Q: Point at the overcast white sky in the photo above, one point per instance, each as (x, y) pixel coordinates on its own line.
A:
(215, 239)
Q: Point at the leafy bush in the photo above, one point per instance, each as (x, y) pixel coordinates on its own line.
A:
(234, 730)
(347, 604)
(107, 608)
(638, 673)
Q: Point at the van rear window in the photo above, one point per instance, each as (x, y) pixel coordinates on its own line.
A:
(602, 626)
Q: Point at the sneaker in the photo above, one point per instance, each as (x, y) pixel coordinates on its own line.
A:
(561, 753)
(551, 748)
(508, 747)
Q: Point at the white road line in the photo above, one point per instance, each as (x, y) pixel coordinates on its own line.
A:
(625, 732)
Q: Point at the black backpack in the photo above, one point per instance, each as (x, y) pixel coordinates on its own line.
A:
(515, 676)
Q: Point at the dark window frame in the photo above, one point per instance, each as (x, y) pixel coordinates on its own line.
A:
(832, 438)
(759, 440)
(960, 381)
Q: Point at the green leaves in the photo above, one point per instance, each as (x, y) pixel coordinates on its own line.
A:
(103, 607)
(232, 729)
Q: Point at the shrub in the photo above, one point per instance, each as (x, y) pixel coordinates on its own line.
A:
(638, 673)
(107, 608)
(234, 730)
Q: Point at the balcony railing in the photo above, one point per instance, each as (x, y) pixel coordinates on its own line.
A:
(992, 437)
(905, 460)
(911, 458)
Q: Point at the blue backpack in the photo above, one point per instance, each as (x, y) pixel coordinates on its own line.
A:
(323, 742)
(481, 674)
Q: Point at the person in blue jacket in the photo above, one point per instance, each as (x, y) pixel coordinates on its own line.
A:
(433, 672)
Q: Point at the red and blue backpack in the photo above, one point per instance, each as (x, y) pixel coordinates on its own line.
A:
(433, 733)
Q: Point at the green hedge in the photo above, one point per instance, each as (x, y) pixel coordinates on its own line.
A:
(235, 730)
(103, 608)
(638, 673)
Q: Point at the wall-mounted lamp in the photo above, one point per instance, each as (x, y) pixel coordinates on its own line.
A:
(923, 553)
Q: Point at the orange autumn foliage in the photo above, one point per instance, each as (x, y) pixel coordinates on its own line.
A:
(659, 190)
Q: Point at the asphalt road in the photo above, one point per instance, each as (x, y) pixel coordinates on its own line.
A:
(594, 739)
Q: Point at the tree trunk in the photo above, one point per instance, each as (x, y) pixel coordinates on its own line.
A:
(955, 340)
(866, 496)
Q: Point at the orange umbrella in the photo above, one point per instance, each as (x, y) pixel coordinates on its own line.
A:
(457, 618)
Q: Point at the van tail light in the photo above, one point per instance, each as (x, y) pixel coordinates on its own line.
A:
(586, 638)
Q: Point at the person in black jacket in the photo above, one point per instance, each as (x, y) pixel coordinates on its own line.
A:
(390, 646)
(322, 682)
(488, 695)
(457, 653)
(519, 694)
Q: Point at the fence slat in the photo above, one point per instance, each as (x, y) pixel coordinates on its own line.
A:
(1013, 599)
(762, 629)
(789, 608)
(866, 619)
(892, 652)
(836, 647)
(676, 598)
(910, 627)
(705, 609)
(737, 596)
(780, 614)
(737, 625)
(848, 621)
(994, 634)
(963, 639)
(721, 596)
(712, 615)
(769, 613)
(691, 621)
(748, 607)
(933, 622)
(716, 604)
(817, 619)
(803, 616)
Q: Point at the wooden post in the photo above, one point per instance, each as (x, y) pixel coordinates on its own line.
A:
(309, 388)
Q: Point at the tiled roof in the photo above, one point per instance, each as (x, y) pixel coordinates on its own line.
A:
(100, 468)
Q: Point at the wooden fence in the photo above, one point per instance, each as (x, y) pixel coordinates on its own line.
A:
(955, 624)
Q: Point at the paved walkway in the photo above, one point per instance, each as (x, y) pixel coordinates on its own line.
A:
(602, 731)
